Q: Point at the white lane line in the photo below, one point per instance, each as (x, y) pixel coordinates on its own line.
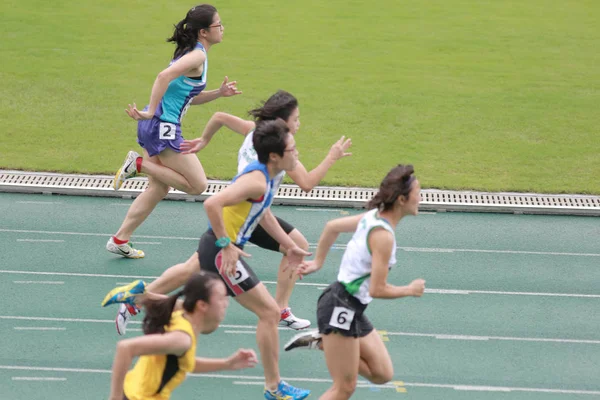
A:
(40, 282)
(318, 285)
(41, 240)
(246, 332)
(38, 202)
(38, 328)
(335, 246)
(34, 378)
(147, 242)
(309, 209)
(318, 380)
(252, 328)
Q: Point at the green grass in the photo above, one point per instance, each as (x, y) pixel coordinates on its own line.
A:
(487, 95)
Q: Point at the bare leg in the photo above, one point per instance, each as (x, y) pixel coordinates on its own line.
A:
(143, 205)
(184, 172)
(375, 362)
(342, 355)
(259, 301)
(286, 280)
(175, 276)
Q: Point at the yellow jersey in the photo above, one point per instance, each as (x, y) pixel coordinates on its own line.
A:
(155, 376)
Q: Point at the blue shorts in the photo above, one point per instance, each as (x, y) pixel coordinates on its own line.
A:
(155, 135)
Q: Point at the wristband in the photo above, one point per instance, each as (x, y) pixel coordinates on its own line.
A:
(223, 242)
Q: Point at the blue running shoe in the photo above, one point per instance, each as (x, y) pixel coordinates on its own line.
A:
(285, 391)
(125, 294)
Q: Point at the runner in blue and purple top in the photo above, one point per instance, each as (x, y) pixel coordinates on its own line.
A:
(175, 89)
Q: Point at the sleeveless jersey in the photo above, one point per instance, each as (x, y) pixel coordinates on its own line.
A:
(155, 376)
(241, 219)
(247, 155)
(355, 269)
(178, 97)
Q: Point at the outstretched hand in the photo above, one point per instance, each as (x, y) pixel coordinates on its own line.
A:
(136, 114)
(192, 146)
(229, 88)
(338, 150)
(243, 358)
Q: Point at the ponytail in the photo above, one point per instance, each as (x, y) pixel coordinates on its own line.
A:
(280, 105)
(158, 313)
(396, 183)
(186, 31)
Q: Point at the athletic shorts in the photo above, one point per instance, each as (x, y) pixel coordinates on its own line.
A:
(340, 312)
(155, 135)
(210, 260)
(262, 239)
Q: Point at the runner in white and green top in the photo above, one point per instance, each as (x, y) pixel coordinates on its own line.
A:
(351, 345)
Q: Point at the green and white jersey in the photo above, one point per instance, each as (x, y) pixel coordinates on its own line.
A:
(247, 155)
(355, 270)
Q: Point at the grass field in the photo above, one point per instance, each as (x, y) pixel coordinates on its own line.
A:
(486, 95)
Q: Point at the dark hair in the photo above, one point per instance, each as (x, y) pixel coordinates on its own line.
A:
(269, 137)
(186, 30)
(280, 105)
(396, 183)
(158, 312)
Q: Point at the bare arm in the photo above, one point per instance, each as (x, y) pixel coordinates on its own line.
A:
(236, 124)
(330, 233)
(269, 222)
(308, 180)
(188, 62)
(381, 243)
(227, 89)
(176, 342)
(242, 358)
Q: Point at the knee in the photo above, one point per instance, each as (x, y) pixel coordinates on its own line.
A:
(382, 376)
(345, 389)
(158, 189)
(270, 313)
(299, 239)
(198, 188)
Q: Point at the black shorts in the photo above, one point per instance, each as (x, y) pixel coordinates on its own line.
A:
(209, 256)
(261, 238)
(340, 312)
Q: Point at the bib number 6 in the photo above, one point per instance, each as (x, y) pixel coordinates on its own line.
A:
(166, 131)
(342, 318)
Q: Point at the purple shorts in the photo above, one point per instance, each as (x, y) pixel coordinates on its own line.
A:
(155, 135)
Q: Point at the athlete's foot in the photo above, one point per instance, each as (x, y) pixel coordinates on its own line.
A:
(285, 391)
(126, 311)
(310, 340)
(127, 170)
(125, 294)
(124, 249)
(289, 320)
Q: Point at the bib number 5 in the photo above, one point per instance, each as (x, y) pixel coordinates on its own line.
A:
(342, 318)
(166, 131)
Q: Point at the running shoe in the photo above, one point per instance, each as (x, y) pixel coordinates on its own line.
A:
(125, 294)
(127, 170)
(124, 250)
(126, 311)
(310, 340)
(285, 391)
(289, 320)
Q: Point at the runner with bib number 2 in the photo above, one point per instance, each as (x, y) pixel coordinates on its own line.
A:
(350, 343)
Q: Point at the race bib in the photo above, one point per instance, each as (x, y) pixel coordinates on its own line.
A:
(241, 274)
(166, 131)
(342, 318)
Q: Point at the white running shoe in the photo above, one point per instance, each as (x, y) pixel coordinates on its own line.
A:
(289, 320)
(127, 170)
(124, 250)
(307, 340)
(126, 311)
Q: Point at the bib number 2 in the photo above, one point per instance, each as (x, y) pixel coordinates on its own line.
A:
(166, 131)
(342, 318)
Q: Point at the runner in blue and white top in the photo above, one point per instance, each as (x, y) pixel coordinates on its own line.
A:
(351, 344)
(281, 105)
(175, 89)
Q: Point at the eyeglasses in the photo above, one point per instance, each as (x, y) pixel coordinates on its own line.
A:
(220, 26)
